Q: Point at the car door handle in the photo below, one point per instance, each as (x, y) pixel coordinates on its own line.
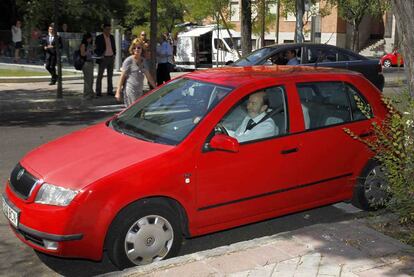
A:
(289, 151)
(366, 134)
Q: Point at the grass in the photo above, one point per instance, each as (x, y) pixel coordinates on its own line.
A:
(25, 73)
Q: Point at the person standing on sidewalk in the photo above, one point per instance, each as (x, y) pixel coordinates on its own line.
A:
(164, 56)
(50, 42)
(17, 40)
(86, 52)
(131, 82)
(106, 50)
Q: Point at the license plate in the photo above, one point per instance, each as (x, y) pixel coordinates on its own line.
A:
(10, 213)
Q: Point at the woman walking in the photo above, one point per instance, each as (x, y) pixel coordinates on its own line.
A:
(131, 82)
(86, 52)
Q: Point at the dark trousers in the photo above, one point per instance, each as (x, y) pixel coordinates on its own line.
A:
(108, 64)
(163, 73)
(51, 66)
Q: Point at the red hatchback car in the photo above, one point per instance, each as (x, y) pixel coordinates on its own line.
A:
(392, 59)
(208, 151)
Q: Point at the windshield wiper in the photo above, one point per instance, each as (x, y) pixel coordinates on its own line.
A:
(129, 130)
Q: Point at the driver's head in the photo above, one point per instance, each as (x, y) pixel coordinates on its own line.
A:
(290, 54)
(257, 104)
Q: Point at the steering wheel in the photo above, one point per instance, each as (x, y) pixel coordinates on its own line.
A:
(220, 129)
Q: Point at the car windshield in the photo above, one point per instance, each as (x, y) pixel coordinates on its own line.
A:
(170, 113)
(254, 57)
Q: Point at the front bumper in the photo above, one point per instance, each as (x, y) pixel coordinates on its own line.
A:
(53, 230)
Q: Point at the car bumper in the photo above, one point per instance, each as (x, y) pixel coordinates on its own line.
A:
(51, 230)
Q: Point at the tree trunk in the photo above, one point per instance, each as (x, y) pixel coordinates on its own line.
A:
(246, 27)
(355, 37)
(404, 13)
(153, 38)
(262, 21)
(300, 10)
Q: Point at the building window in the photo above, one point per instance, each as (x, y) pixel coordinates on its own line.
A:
(234, 11)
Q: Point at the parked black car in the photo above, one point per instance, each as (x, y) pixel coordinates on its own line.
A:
(317, 55)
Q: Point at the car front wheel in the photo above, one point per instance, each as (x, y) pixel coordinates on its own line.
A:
(387, 63)
(144, 233)
(372, 188)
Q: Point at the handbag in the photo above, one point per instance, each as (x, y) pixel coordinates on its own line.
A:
(78, 61)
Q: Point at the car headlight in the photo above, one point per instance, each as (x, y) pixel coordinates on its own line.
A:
(54, 195)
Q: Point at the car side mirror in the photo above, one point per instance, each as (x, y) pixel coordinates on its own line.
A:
(224, 143)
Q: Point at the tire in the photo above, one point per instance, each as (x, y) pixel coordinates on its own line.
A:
(372, 189)
(387, 63)
(144, 232)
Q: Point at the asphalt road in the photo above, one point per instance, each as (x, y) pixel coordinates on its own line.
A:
(21, 132)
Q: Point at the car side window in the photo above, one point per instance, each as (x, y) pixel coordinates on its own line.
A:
(324, 104)
(342, 56)
(321, 55)
(282, 57)
(261, 114)
(359, 105)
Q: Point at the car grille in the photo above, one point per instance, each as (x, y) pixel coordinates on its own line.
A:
(22, 182)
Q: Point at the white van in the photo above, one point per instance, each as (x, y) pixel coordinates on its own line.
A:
(205, 46)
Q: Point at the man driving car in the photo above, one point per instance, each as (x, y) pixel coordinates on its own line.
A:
(256, 124)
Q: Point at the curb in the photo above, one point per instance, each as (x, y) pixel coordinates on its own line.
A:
(162, 268)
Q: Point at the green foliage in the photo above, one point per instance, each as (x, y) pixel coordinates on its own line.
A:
(170, 12)
(80, 15)
(394, 149)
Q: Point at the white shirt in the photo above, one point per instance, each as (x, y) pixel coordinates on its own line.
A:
(164, 52)
(264, 129)
(16, 34)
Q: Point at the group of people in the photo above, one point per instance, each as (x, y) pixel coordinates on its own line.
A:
(134, 68)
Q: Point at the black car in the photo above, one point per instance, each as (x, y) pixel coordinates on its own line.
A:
(317, 55)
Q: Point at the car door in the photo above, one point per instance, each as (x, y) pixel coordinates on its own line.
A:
(331, 155)
(323, 56)
(236, 186)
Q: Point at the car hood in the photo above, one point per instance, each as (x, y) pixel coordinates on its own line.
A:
(87, 155)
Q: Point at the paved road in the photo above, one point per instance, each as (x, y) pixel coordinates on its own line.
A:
(29, 130)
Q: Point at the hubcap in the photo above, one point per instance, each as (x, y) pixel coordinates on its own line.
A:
(387, 63)
(148, 240)
(376, 186)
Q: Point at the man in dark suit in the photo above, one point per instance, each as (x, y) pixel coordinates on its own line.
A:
(50, 42)
(105, 50)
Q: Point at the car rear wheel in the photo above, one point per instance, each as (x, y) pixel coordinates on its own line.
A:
(144, 233)
(372, 189)
(387, 63)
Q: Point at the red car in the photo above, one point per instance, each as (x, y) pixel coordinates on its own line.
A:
(392, 59)
(208, 151)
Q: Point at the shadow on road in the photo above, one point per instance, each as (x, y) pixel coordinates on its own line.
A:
(327, 214)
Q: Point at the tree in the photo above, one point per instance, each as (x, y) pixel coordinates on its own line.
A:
(80, 15)
(353, 11)
(300, 11)
(170, 12)
(404, 14)
(246, 26)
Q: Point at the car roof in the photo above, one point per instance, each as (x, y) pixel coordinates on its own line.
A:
(323, 45)
(238, 76)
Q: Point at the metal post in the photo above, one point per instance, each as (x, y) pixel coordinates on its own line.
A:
(118, 59)
(59, 91)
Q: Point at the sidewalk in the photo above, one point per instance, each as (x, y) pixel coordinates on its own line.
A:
(25, 96)
(346, 249)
